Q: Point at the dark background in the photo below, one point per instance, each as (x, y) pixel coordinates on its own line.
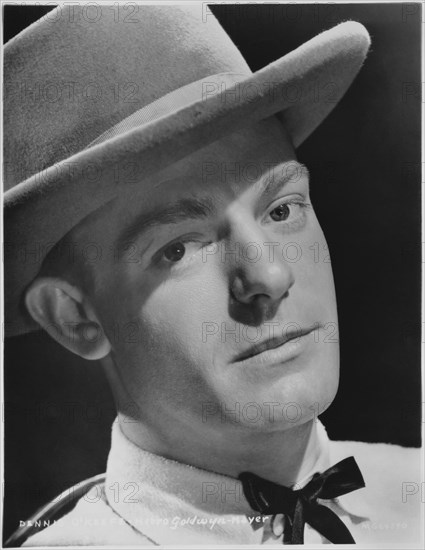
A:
(365, 163)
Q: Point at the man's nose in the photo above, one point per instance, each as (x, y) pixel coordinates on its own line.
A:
(262, 275)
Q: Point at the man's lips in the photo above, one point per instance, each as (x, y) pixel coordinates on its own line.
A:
(273, 343)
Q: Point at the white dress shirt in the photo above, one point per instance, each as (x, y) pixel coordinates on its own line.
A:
(150, 500)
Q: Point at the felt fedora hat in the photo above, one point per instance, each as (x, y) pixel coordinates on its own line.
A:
(91, 98)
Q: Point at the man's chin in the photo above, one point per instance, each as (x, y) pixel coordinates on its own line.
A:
(275, 410)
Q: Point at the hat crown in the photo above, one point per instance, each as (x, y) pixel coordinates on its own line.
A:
(66, 82)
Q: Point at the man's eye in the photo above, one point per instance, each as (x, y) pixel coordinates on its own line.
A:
(180, 252)
(280, 213)
(174, 252)
(291, 214)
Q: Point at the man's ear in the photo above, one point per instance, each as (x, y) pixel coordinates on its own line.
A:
(65, 313)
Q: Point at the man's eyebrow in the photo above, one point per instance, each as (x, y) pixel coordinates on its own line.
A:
(180, 210)
(200, 208)
(281, 174)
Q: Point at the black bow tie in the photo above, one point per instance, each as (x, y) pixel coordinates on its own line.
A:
(300, 507)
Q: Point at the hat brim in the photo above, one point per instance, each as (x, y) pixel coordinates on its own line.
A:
(301, 88)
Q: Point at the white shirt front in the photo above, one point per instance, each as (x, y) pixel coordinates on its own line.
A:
(173, 503)
(150, 500)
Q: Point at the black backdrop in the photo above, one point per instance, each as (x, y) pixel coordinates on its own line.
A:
(365, 161)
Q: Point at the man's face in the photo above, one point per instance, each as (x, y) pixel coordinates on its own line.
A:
(222, 267)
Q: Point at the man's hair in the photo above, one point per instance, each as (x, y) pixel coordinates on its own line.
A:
(69, 259)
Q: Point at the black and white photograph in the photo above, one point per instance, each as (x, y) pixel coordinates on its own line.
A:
(212, 274)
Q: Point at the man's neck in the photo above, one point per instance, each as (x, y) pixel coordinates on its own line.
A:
(285, 457)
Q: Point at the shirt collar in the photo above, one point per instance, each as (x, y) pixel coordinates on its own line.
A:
(171, 502)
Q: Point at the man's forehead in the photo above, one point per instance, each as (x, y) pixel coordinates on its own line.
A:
(182, 204)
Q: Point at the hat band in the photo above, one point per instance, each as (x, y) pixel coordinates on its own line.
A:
(197, 91)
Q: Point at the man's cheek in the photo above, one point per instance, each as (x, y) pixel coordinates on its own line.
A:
(187, 305)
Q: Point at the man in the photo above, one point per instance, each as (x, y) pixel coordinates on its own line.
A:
(210, 330)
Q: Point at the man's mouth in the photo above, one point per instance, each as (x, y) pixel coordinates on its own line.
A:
(277, 349)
